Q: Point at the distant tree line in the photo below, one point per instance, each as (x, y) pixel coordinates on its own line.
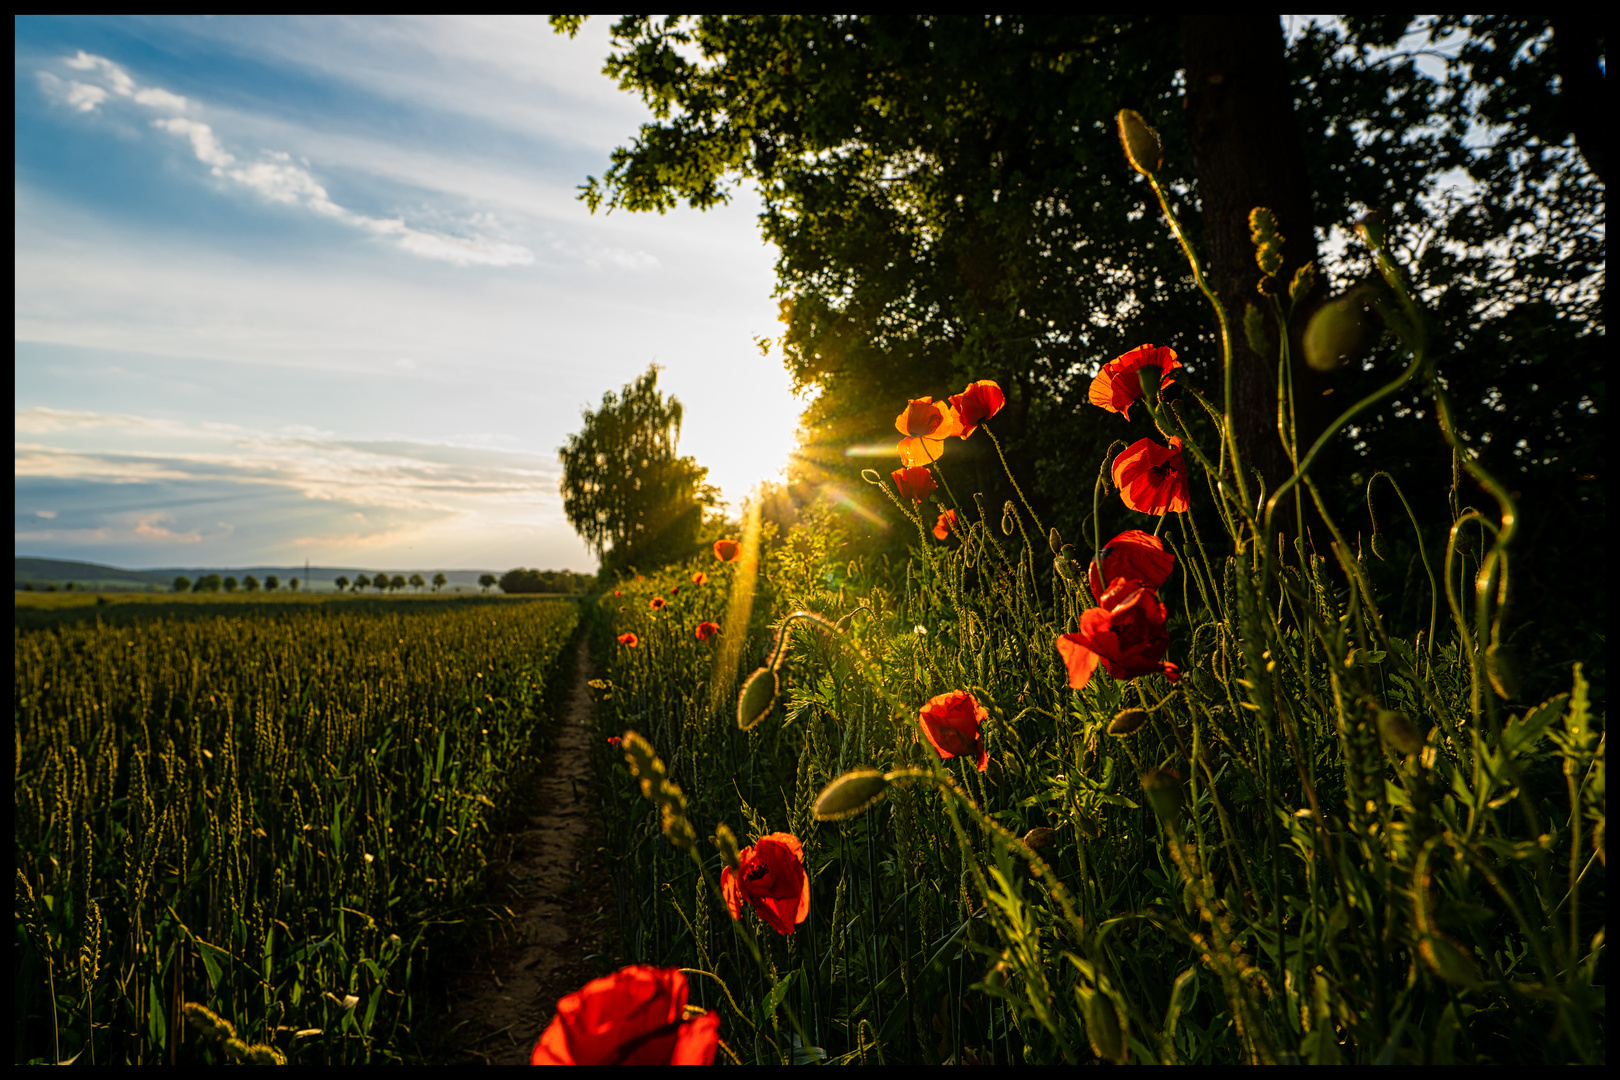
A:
(545, 581)
(216, 583)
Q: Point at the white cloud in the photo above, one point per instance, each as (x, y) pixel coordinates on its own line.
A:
(84, 97)
(274, 177)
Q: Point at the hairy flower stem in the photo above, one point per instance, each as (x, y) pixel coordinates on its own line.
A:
(997, 443)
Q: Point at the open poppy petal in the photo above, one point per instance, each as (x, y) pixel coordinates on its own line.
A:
(927, 417)
(770, 876)
(1119, 384)
(915, 483)
(1152, 479)
(952, 723)
(978, 403)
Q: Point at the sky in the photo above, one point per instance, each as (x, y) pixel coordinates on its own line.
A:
(320, 289)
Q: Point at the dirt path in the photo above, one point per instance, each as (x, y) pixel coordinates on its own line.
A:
(560, 892)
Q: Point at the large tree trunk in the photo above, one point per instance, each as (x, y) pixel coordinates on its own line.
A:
(1247, 153)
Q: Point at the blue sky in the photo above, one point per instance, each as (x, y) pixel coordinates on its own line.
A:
(320, 288)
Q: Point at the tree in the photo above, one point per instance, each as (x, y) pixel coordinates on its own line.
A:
(624, 489)
(485, 581)
(293, 584)
(416, 581)
(182, 584)
(271, 582)
(250, 583)
(207, 583)
(396, 583)
(950, 203)
(230, 584)
(361, 582)
(439, 581)
(342, 582)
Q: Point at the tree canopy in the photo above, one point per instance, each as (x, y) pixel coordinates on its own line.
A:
(949, 202)
(624, 488)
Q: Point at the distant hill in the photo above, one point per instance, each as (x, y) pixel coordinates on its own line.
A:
(94, 577)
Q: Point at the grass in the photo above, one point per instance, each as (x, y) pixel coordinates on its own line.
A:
(273, 809)
(1332, 840)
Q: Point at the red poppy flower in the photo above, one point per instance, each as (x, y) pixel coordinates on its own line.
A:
(631, 1017)
(613, 740)
(700, 578)
(1135, 556)
(915, 483)
(978, 403)
(707, 630)
(1119, 385)
(945, 525)
(629, 640)
(1152, 478)
(656, 602)
(674, 590)
(1125, 631)
(615, 592)
(770, 876)
(926, 423)
(726, 550)
(951, 723)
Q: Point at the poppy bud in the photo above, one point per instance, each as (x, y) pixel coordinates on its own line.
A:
(1503, 669)
(757, 697)
(1127, 722)
(1055, 542)
(726, 841)
(1336, 333)
(1103, 1029)
(1064, 567)
(1378, 546)
(1398, 732)
(1039, 837)
(1372, 229)
(1141, 143)
(853, 793)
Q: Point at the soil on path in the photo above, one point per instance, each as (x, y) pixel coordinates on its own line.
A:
(559, 890)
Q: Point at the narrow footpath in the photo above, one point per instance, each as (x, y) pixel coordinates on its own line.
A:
(559, 891)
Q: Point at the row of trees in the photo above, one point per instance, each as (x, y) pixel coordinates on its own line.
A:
(384, 583)
(215, 583)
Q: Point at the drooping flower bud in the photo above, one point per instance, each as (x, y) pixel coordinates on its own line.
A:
(853, 793)
(1039, 837)
(1128, 722)
(757, 697)
(1503, 669)
(1141, 143)
(1336, 333)
(1054, 541)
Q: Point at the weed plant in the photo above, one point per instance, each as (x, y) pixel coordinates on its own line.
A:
(261, 822)
(1330, 840)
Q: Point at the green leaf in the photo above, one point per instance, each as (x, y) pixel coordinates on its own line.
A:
(1523, 734)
